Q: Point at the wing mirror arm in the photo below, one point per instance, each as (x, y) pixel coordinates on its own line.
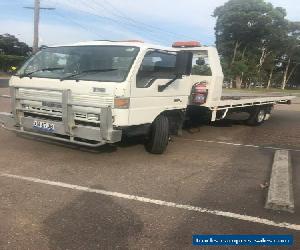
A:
(183, 67)
(161, 88)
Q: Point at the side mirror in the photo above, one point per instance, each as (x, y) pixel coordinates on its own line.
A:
(184, 63)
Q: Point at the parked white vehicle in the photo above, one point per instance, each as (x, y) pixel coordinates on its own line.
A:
(92, 93)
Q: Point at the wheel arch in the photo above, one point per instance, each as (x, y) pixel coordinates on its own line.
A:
(176, 118)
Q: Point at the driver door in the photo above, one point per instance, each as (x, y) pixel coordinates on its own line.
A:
(148, 100)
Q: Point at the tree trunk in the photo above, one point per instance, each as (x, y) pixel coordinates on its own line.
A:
(262, 58)
(238, 82)
(242, 78)
(237, 44)
(244, 51)
(291, 73)
(264, 55)
(270, 78)
(285, 74)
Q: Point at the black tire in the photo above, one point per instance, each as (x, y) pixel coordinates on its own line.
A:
(257, 116)
(159, 135)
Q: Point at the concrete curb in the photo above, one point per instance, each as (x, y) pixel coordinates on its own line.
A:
(280, 194)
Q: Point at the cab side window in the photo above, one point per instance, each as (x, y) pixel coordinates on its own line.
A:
(155, 65)
(201, 64)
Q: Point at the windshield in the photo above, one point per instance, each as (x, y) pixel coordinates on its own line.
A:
(90, 63)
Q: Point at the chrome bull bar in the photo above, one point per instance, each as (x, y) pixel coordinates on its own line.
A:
(96, 136)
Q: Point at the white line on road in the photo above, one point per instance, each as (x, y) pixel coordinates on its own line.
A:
(158, 202)
(241, 145)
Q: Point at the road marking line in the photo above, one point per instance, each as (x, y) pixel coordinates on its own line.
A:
(242, 145)
(158, 202)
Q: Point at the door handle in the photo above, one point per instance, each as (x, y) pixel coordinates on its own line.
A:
(177, 100)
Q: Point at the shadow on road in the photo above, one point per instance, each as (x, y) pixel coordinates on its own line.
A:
(92, 221)
(191, 126)
(4, 82)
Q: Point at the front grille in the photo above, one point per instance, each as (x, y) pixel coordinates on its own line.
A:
(52, 114)
(42, 117)
(55, 96)
(89, 124)
(50, 106)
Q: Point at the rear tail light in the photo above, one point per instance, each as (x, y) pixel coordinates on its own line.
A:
(199, 93)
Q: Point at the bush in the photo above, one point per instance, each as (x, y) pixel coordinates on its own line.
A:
(7, 61)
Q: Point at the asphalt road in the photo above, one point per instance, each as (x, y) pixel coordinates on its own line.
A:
(4, 82)
(195, 170)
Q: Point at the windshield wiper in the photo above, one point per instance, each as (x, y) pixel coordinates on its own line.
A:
(38, 70)
(86, 71)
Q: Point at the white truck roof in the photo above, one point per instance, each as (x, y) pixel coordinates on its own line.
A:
(135, 43)
(120, 43)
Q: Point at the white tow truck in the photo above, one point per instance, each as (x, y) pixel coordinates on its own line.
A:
(93, 93)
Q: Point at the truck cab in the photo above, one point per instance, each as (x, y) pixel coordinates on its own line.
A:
(91, 93)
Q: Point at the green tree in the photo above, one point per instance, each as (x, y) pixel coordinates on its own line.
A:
(10, 45)
(7, 61)
(291, 53)
(247, 33)
(12, 52)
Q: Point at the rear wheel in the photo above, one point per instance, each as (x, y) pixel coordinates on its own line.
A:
(159, 135)
(257, 116)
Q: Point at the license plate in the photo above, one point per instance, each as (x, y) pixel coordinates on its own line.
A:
(46, 126)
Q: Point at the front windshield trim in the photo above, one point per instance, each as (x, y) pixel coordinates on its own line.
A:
(80, 79)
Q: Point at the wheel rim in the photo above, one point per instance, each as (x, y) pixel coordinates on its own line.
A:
(261, 116)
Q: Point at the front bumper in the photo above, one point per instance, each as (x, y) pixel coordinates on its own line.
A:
(66, 129)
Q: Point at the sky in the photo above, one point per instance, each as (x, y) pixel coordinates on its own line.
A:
(156, 21)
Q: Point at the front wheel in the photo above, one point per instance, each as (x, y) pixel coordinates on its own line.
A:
(257, 117)
(159, 135)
